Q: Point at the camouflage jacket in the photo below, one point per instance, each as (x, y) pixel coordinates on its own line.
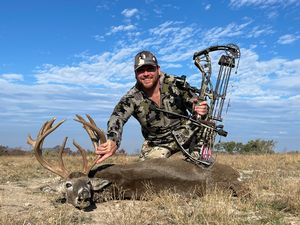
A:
(156, 126)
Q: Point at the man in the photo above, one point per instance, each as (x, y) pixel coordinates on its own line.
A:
(153, 91)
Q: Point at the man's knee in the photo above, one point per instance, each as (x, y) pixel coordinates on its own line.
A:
(159, 152)
(152, 152)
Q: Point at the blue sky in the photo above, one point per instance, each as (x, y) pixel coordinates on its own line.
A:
(61, 58)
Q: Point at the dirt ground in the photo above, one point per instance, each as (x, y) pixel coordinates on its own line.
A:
(24, 201)
(275, 187)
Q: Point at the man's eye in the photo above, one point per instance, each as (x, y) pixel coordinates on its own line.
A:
(148, 69)
(152, 69)
(140, 71)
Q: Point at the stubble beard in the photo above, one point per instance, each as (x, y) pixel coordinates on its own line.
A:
(150, 84)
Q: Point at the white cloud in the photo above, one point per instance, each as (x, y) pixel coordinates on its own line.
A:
(261, 80)
(288, 39)
(207, 7)
(166, 27)
(32, 102)
(121, 28)
(263, 3)
(170, 65)
(99, 38)
(129, 12)
(101, 70)
(258, 31)
(12, 77)
(177, 40)
(106, 4)
(273, 14)
(174, 43)
(216, 34)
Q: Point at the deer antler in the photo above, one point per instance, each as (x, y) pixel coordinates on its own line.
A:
(96, 135)
(37, 148)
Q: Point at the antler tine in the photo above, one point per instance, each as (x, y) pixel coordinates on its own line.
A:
(94, 140)
(91, 134)
(37, 148)
(85, 168)
(60, 160)
(100, 132)
(30, 140)
(95, 133)
(46, 126)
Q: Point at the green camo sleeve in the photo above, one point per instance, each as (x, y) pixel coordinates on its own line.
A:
(122, 112)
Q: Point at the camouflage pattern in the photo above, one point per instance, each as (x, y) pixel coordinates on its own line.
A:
(144, 58)
(156, 126)
(150, 151)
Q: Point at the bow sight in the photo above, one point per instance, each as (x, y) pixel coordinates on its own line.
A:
(213, 90)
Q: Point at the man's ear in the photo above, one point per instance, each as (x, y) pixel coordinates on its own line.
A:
(99, 184)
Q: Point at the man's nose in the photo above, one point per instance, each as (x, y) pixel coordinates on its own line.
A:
(146, 72)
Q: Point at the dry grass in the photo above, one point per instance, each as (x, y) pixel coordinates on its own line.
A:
(274, 181)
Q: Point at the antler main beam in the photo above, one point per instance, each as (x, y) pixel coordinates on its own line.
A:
(37, 145)
(96, 135)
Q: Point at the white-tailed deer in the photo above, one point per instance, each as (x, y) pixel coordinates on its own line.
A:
(132, 180)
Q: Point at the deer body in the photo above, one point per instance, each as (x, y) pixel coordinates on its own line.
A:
(166, 174)
(134, 180)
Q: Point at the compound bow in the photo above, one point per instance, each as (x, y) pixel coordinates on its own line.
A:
(214, 92)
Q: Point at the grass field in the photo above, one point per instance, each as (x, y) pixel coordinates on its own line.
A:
(274, 181)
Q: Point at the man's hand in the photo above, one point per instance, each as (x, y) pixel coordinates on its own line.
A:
(106, 150)
(200, 108)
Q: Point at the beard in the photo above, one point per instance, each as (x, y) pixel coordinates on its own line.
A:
(149, 82)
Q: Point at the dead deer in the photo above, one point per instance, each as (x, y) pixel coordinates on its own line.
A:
(132, 180)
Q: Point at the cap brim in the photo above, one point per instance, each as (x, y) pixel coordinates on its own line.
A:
(145, 64)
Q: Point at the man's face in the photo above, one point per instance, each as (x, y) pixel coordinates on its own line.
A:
(147, 76)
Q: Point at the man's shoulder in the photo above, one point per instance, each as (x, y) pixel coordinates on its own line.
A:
(168, 78)
(174, 81)
(133, 93)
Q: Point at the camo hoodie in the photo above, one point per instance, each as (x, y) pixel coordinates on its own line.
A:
(156, 126)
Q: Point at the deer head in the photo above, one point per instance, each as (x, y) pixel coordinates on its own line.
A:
(78, 187)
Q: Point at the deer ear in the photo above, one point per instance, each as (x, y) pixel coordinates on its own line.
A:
(99, 184)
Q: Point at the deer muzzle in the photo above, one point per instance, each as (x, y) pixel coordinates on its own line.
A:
(83, 200)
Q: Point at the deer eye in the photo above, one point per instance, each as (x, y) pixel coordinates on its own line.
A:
(89, 183)
(68, 185)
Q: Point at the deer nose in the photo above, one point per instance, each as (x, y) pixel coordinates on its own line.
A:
(84, 194)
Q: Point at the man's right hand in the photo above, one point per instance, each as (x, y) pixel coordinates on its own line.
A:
(106, 150)
(200, 107)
